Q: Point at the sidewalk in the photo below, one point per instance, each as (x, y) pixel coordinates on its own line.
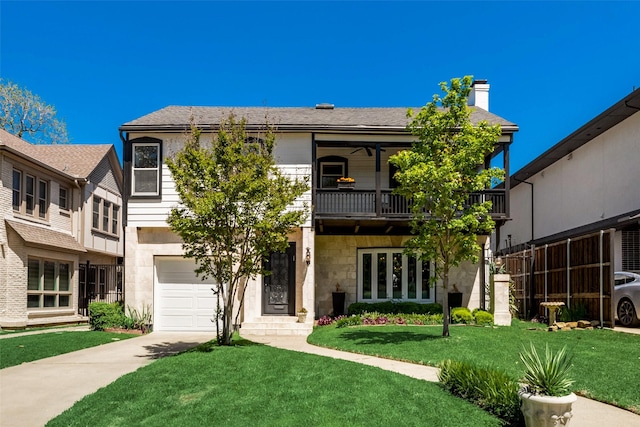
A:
(586, 412)
(33, 393)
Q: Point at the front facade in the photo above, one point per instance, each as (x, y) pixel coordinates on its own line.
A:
(349, 248)
(61, 209)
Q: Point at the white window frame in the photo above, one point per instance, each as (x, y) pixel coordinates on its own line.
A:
(134, 169)
(67, 203)
(322, 174)
(389, 285)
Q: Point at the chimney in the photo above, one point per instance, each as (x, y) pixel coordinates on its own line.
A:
(325, 106)
(479, 96)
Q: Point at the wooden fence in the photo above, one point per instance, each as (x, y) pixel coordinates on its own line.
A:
(576, 271)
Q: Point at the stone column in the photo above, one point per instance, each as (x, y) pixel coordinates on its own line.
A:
(500, 299)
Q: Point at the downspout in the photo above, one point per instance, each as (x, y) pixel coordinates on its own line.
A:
(125, 208)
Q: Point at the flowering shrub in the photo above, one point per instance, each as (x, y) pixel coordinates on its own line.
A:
(370, 319)
(345, 179)
(325, 320)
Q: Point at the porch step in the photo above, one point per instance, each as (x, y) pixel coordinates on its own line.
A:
(277, 325)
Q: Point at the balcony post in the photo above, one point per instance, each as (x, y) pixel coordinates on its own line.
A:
(378, 189)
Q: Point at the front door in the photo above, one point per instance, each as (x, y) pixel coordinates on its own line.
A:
(278, 296)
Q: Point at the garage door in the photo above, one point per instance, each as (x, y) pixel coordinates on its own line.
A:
(182, 301)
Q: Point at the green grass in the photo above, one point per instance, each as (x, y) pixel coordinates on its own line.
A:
(605, 364)
(27, 348)
(255, 385)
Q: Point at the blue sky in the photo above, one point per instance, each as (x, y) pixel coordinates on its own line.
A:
(552, 66)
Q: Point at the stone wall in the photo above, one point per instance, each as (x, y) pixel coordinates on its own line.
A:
(336, 264)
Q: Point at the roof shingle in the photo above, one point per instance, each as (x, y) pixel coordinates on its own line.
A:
(74, 160)
(290, 118)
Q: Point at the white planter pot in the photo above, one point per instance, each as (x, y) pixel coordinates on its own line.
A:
(546, 411)
(302, 317)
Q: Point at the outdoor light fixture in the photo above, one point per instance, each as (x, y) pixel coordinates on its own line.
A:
(307, 258)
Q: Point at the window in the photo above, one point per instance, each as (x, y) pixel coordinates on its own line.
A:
(30, 195)
(146, 169)
(97, 201)
(330, 169)
(631, 250)
(63, 198)
(48, 283)
(106, 212)
(43, 198)
(105, 216)
(17, 190)
(30, 189)
(385, 274)
(114, 219)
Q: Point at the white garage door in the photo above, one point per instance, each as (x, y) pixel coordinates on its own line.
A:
(182, 301)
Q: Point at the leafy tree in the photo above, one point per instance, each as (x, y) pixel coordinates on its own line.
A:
(27, 116)
(443, 167)
(236, 208)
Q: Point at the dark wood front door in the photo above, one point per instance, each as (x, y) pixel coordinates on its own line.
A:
(278, 296)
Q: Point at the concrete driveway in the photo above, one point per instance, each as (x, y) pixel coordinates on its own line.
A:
(33, 393)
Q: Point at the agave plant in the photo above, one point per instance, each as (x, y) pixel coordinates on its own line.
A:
(549, 375)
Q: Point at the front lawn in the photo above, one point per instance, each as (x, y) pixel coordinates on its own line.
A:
(605, 364)
(27, 348)
(256, 385)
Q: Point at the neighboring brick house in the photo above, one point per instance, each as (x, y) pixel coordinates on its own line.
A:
(61, 210)
(353, 238)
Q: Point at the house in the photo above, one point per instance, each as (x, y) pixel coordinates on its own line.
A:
(61, 230)
(350, 246)
(583, 186)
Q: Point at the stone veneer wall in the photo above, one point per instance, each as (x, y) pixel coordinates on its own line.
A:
(336, 263)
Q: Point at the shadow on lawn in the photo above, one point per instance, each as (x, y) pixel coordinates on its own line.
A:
(368, 336)
(157, 351)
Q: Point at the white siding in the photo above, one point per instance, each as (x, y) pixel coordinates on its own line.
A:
(595, 182)
(290, 148)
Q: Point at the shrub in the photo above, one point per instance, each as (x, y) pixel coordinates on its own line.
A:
(573, 314)
(491, 389)
(461, 315)
(342, 321)
(482, 317)
(106, 315)
(358, 308)
(390, 307)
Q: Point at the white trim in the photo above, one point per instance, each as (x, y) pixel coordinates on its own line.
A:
(389, 277)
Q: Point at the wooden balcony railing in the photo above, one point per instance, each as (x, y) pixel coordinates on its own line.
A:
(363, 203)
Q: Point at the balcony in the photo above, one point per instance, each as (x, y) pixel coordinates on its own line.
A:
(365, 204)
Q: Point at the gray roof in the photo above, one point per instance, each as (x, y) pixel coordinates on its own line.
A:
(174, 118)
(72, 160)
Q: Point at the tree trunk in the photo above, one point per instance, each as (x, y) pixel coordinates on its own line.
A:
(445, 304)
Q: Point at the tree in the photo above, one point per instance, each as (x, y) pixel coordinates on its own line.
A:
(27, 116)
(443, 167)
(236, 208)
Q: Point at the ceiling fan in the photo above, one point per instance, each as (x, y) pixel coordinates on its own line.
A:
(367, 149)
